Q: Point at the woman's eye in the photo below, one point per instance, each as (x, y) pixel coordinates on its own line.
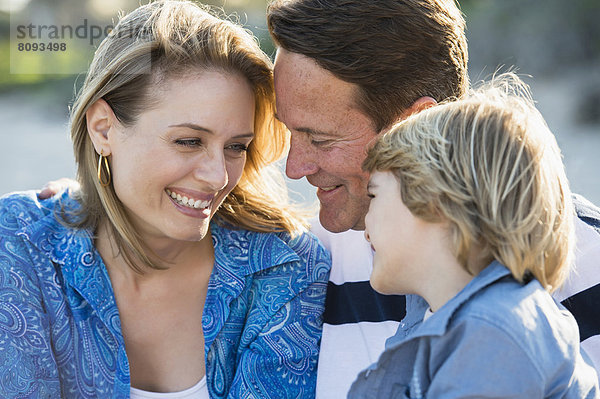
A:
(370, 195)
(238, 147)
(196, 143)
(189, 142)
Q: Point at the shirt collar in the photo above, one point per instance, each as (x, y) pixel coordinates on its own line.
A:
(54, 239)
(438, 323)
(245, 252)
(73, 251)
(238, 254)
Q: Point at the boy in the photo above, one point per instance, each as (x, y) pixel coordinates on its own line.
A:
(471, 210)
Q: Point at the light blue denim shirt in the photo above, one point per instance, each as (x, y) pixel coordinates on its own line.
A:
(496, 338)
(60, 332)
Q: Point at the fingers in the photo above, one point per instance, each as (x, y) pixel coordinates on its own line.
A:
(54, 187)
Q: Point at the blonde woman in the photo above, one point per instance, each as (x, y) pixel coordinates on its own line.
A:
(471, 210)
(178, 269)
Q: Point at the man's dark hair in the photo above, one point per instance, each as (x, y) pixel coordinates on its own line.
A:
(395, 51)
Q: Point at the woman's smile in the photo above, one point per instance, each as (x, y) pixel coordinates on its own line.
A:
(186, 201)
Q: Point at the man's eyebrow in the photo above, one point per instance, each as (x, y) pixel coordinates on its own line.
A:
(307, 130)
(205, 130)
(312, 132)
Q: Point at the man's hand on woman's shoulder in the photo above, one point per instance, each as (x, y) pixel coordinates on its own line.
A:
(53, 187)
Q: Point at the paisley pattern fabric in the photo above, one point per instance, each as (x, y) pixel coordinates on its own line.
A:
(60, 332)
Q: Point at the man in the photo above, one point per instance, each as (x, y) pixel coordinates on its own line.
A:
(345, 71)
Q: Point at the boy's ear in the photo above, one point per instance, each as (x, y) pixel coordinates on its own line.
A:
(101, 122)
(418, 106)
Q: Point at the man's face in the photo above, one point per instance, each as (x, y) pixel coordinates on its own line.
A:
(329, 138)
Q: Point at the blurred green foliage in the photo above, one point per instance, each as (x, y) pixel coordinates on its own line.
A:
(536, 35)
(250, 13)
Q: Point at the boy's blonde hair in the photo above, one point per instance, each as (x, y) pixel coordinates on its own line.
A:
(488, 164)
(174, 39)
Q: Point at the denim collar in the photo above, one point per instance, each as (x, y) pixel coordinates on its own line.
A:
(438, 323)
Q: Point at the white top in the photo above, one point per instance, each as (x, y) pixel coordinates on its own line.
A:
(198, 391)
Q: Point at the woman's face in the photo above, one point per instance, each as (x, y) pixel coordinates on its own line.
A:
(173, 168)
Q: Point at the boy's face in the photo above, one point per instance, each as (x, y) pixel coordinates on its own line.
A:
(404, 245)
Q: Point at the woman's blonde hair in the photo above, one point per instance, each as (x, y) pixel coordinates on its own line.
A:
(488, 164)
(170, 39)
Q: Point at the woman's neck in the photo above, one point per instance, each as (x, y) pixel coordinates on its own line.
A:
(182, 259)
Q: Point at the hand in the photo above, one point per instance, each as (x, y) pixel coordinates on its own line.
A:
(53, 187)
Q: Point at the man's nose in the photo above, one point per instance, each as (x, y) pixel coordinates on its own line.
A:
(301, 159)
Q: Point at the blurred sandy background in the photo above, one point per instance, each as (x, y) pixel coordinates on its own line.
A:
(556, 43)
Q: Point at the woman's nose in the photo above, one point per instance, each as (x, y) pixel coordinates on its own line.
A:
(213, 171)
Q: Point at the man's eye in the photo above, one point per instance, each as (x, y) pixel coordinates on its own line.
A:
(320, 143)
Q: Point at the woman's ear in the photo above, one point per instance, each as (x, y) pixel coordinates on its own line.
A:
(101, 122)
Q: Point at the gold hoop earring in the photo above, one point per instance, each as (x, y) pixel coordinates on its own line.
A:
(103, 182)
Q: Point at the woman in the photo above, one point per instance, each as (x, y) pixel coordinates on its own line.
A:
(178, 267)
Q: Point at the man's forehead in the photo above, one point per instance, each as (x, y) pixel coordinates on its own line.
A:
(303, 76)
(297, 64)
(319, 117)
(311, 99)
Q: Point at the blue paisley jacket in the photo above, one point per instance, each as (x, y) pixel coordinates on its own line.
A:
(60, 333)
